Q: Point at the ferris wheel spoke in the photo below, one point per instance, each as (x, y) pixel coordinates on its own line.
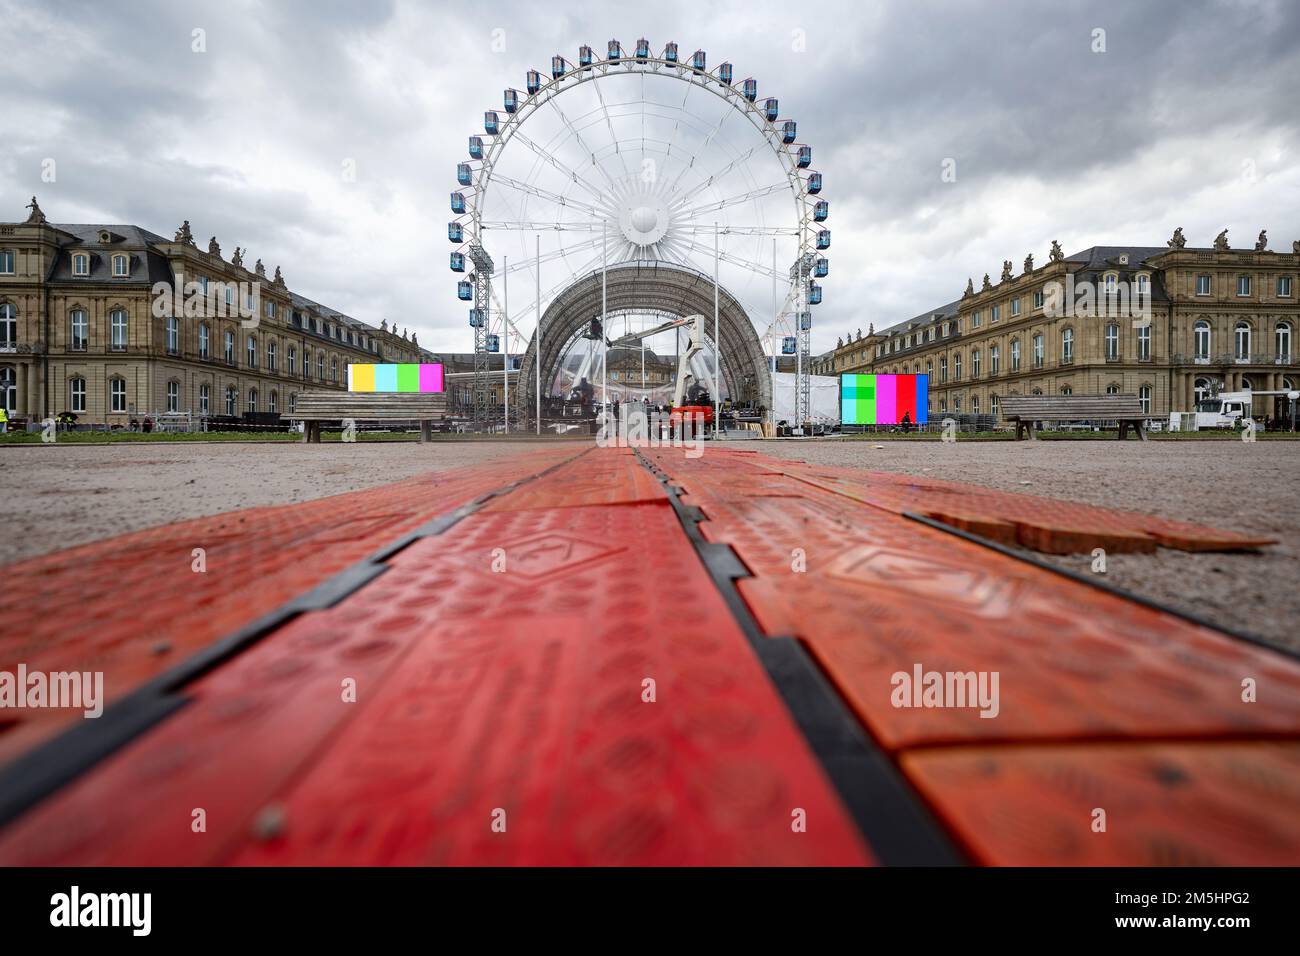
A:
(695, 190)
(578, 136)
(736, 200)
(756, 267)
(609, 124)
(741, 230)
(525, 225)
(570, 173)
(538, 192)
(528, 264)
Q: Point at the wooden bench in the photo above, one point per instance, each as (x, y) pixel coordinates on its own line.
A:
(312, 408)
(1028, 410)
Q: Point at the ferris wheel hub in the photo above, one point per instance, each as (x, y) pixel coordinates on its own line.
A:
(644, 220)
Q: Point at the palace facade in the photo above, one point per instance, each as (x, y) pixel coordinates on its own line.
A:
(80, 330)
(1171, 324)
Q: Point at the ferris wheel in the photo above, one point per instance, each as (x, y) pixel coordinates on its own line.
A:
(604, 161)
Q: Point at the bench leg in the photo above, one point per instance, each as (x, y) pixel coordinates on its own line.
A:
(315, 432)
(1123, 431)
(1033, 431)
(1141, 430)
(306, 432)
(1020, 429)
(426, 431)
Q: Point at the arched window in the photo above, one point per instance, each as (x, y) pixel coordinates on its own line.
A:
(173, 396)
(1202, 389)
(81, 264)
(1112, 389)
(1112, 342)
(1241, 340)
(79, 329)
(1246, 384)
(232, 398)
(975, 404)
(204, 337)
(1282, 341)
(1144, 393)
(117, 394)
(77, 394)
(1067, 346)
(205, 398)
(1067, 390)
(252, 400)
(1201, 331)
(117, 330)
(121, 268)
(993, 405)
(1036, 391)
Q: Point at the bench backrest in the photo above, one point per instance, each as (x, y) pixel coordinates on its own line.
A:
(1072, 407)
(387, 406)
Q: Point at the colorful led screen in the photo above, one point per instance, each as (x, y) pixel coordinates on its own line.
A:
(395, 378)
(884, 399)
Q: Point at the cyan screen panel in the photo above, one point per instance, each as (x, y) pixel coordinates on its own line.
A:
(406, 377)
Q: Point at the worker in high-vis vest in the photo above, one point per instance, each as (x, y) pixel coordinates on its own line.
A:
(4, 420)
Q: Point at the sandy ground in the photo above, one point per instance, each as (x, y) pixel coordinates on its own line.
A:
(59, 496)
(1232, 485)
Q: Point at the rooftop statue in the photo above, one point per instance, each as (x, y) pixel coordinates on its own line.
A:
(1221, 241)
(1177, 241)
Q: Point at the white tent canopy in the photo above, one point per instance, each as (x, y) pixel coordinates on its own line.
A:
(824, 398)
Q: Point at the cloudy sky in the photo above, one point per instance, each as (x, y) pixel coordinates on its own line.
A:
(1188, 118)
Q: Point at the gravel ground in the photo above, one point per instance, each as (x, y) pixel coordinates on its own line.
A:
(1231, 485)
(63, 495)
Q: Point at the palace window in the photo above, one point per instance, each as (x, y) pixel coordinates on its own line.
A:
(943, 369)
(956, 367)
(203, 340)
(1112, 342)
(975, 320)
(120, 267)
(77, 394)
(1038, 350)
(117, 395)
(1241, 338)
(1067, 390)
(320, 366)
(1243, 285)
(205, 398)
(1112, 389)
(1201, 331)
(80, 329)
(230, 349)
(1282, 341)
(1015, 355)
(6, 262)
(1015, 306)
(273, 402)
(995, 313)
(1038, 300)
(993, 405)
(1144, 394)
(1144, 343)
(173, 396)
(1284, 287)
(252, 351)
(1112, 283)
(975, 363)
(293, 402)
(252, 400)
(994, 357)
(232, 397)
(270, 356)
(1144, 285)
(173, 329)
(117, 329)
(81, 264)
(291, 356)
(1067, 346)
(1203, 285)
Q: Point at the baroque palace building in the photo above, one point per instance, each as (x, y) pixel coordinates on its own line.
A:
(1220, 320)
(80, 330)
